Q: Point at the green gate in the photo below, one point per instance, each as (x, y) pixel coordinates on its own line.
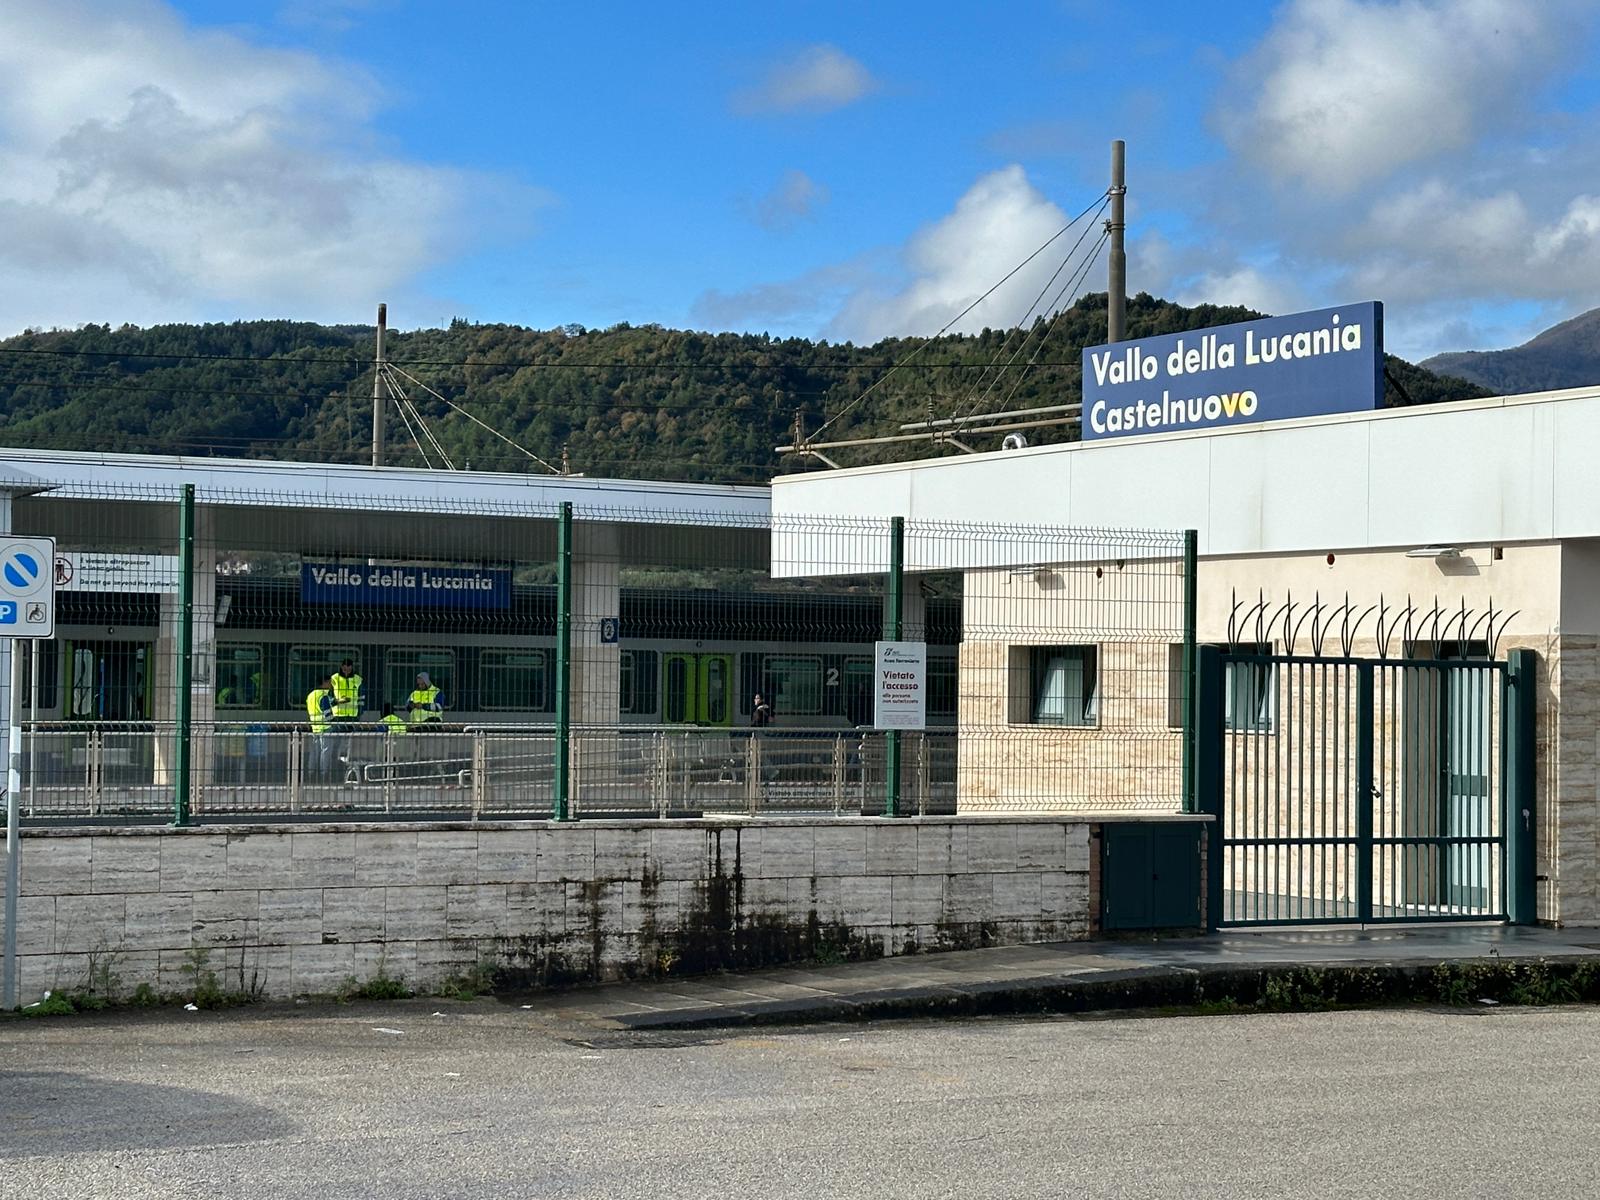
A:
(1350, 790)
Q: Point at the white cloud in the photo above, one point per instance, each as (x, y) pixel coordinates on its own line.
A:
(161, 172)
(998, 223)
(818, 79)
(795, 197)
(1341, 92)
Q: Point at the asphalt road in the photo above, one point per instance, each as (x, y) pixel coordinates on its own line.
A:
(488, 1100)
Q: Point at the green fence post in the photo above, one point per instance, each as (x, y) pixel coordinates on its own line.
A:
(1365, 719)
(1208, 771)
(1519, 781)
(561, 809)
(1191, 592)
(893, 631)
(185, 664)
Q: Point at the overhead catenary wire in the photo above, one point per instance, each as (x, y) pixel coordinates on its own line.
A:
(1071, 285)
(1099, 203)
(1053, 307)
(392, 370)
(403, 402)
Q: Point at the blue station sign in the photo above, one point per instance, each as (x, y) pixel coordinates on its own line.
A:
(1303, 365)
(401, 586)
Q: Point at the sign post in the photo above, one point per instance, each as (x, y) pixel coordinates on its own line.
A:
(27, 610)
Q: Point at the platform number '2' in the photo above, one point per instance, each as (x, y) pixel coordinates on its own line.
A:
(833, 676)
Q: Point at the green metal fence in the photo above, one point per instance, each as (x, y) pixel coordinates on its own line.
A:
(577, 659)
(1351, 790)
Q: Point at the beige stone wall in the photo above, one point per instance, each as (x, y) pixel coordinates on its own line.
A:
(301, 910)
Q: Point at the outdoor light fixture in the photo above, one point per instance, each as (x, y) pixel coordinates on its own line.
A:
(1434, 552)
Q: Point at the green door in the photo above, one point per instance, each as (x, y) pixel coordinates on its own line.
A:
(697, 689)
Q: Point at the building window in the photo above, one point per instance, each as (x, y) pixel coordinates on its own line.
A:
(239, 677)
(510, 680)
(1065, 685)
(1250, 690)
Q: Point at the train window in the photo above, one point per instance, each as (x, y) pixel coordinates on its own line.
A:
(793, 685)
(941, 687)
(508, 679)
(638, 682)
(401, 667)
(83, 688)
(311, 665)
(239, 677)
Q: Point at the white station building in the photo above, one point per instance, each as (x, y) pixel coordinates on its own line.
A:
(1488, 506)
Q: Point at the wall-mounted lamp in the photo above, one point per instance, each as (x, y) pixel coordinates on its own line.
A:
(1434, 552)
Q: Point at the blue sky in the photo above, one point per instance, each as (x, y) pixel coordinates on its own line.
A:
(839, 170)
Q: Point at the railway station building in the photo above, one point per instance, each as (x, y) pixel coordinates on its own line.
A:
(1458, 531)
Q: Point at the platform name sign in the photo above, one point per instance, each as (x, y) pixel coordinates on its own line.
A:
(1305, 365)
(404, 586)
(900, 678)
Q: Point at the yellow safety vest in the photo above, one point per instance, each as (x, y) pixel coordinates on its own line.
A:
(423, 697)
(346, 695)
(319, 720)
(394, 723)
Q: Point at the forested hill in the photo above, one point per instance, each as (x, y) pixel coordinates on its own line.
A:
(629, 402)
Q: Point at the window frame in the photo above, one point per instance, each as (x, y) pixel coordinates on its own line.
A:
(813, 662)
(447, 689)
(1039, 666)
(486, 669)
(228, 649)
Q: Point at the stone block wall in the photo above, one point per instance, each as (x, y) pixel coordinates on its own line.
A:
(292, 910)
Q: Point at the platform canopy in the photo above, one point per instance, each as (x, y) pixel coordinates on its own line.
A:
(389, 512)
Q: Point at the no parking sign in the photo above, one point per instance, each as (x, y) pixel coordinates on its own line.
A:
(27, 587)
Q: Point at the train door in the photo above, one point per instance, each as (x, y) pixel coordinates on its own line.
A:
(109, 681)
(697, 689)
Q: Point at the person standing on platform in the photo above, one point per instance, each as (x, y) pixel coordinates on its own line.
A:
(760, 713)
(394, 725)
(348, 701)
(319, 708)
(425, 705)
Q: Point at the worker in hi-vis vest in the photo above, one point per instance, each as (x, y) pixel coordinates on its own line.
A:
(347, 697)
(393, 723)
(424, 705)
(319, 708)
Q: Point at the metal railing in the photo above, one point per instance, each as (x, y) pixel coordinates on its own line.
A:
(128, 771)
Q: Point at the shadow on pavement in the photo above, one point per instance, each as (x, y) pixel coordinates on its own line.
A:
(57, 1112)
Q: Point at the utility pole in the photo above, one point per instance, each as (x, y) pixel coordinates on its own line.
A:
(377, 390)
(1117, 283)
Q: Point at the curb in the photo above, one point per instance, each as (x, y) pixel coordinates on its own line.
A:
(1265, 987)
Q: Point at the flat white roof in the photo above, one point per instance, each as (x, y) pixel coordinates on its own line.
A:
(1501, 469)
(246, 480)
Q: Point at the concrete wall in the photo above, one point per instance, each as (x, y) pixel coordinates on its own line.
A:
(299, 910)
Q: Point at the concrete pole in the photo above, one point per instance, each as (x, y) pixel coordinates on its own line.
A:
(1117, 281)
(377, 390)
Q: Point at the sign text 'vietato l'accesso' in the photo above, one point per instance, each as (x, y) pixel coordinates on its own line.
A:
(900, 691)
(1303, 365)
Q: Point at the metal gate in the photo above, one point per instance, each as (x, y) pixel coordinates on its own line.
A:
(1351, 790)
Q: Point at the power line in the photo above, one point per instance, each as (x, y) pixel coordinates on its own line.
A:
(1100, 203)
